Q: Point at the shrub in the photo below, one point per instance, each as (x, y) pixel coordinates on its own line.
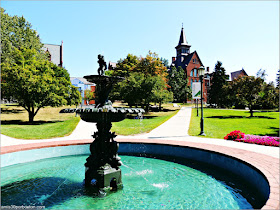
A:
(234, 135)
(253, 139)
(262, 140)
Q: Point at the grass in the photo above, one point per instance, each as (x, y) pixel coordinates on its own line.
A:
(150, 122)
(48, 123)
(219, 122)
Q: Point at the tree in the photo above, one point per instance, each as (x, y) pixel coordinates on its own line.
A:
(36, 83)
(164, 62)
(151, 65)
(218, 80)
(268, 97)
(178, 82)
(262, 74)
(160, 94)
(88, 96)
(146, 80)
(247, 91)
(27, 76)
(16, 33)
(126, 66)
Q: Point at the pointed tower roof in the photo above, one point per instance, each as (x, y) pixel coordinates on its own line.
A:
(183, 40)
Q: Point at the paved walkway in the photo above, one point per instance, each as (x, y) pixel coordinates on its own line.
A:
(175, 128)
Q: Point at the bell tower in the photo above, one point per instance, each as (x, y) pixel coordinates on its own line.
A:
(183, 48)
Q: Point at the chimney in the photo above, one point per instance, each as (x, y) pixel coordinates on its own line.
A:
(173, 59)
(207, 69)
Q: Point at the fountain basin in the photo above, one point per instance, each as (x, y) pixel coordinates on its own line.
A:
(244, 169)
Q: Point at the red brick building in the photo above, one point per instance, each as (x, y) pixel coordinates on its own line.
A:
(190, 62)
(236, 74)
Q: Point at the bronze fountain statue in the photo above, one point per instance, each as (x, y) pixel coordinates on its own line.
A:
(103, 165)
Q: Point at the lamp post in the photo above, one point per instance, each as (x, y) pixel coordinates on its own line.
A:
(201, 70)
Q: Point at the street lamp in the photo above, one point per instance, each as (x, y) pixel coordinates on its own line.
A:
(201, 70)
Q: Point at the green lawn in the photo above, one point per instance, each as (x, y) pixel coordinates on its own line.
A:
(48, 123)
(219, 122)
(135, 126)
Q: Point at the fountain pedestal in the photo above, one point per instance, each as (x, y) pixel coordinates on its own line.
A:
(105, 179)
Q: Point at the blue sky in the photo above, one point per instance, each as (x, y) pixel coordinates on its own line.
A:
(240, 34)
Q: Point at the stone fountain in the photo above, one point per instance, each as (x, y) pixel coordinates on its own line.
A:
(103, 165)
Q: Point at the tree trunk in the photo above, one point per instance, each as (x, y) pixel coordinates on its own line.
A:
(31, 116)
(147, 108)
(251, 112)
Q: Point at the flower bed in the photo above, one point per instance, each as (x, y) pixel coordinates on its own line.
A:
(253, 139)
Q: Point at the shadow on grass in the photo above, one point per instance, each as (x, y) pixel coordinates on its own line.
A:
(274, 132)
(20, 122)
(12, 105)
(11, 111)
(239, 117)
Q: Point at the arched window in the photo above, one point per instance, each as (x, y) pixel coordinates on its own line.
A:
(191, 73)
(194, 73)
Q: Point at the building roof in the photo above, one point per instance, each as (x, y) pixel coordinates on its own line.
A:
(186, 60)
(236, 74)
(83, 80)
(183, 40)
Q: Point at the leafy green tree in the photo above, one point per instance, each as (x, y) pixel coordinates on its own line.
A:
(37, 83)
(268, 97)
(178, 82)
(248, 91)
(26, 74)
(143, 76)
(88, 95)
(125, 66)
(218, 80)
(131, 89)
(16, 33)
(160, 94)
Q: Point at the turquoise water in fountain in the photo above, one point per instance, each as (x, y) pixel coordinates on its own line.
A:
(149, 183)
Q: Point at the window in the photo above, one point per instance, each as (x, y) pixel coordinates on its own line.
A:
(191, 73)
(194, 73)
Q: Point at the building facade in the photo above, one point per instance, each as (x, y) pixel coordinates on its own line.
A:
(190, 62)
(55, 53)
(82, 84)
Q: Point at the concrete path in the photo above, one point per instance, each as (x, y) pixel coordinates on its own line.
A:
(175, 128)
(84, 130)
